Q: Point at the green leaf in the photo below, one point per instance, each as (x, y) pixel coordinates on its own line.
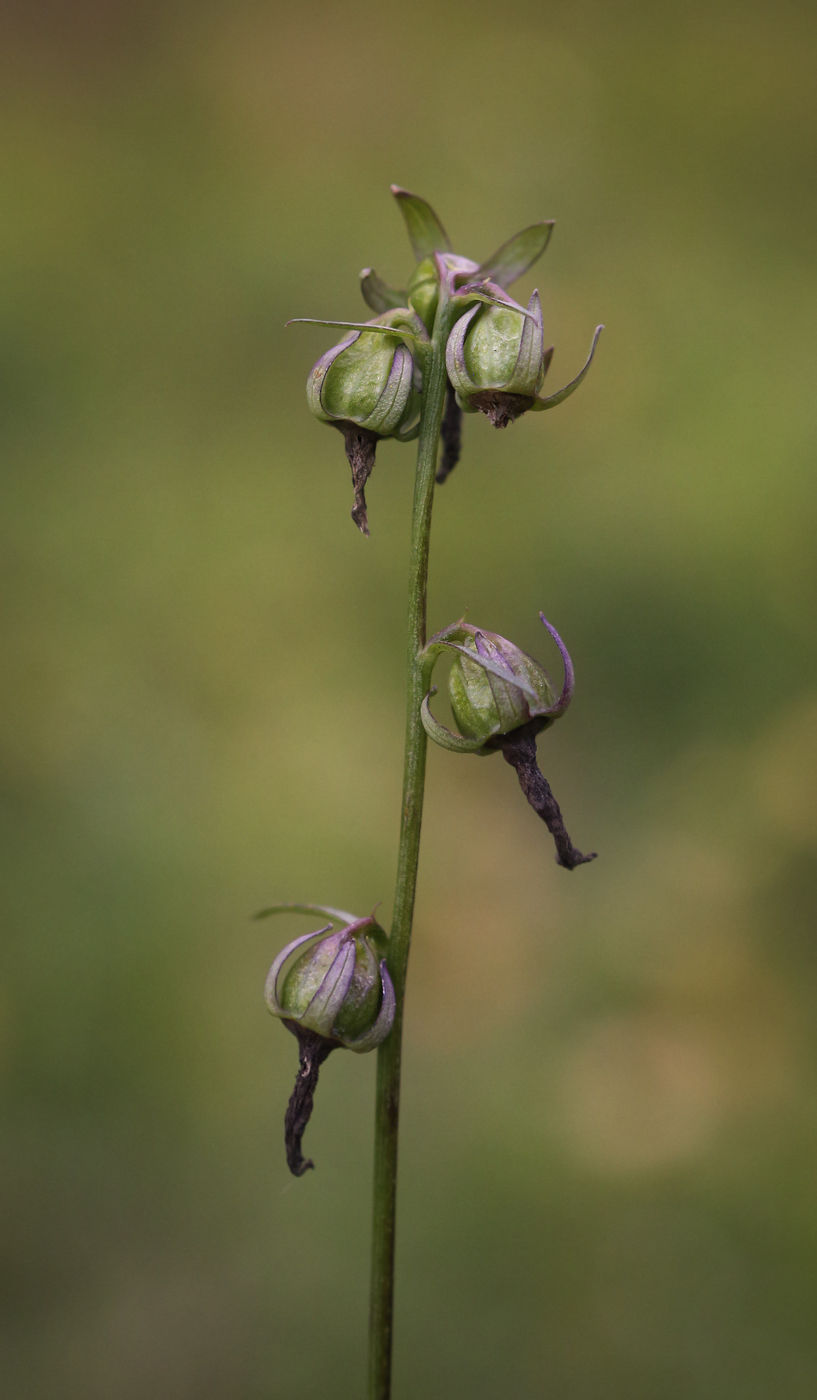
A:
(519, 253)
(425, 231)
(378, 294)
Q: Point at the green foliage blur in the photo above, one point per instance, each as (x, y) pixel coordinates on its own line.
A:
(609, 1148)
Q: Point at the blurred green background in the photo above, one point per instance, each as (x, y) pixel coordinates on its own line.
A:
(609, 1156)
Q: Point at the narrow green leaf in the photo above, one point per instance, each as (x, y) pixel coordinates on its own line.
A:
(425, 231)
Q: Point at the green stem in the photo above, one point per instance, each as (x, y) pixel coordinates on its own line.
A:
(389, 1054)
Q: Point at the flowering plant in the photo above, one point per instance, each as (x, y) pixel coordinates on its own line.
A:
(453, 341)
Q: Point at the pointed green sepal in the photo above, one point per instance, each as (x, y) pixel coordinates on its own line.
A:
(378, 294)
(340, 916)
(425, 231)
(520, 252)
(446, 738)
(539, 405)
(409, 434)
(398, 330)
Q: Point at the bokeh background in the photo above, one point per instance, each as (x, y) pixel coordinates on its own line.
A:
(609, 1155)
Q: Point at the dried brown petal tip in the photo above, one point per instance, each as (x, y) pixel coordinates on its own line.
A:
(519, 749)
(313, 1049)
(501, 408)
(361, 448)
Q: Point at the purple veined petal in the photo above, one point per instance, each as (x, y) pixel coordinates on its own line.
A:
(391, 404)
(328, 999)
(492, 294)
(500, 687)
(455, 354)
(318, 373)
(464, 268)
(271, 985)
(359, 925)
(385, 1017)
(488, 665)
(528, 367)
(569, 681)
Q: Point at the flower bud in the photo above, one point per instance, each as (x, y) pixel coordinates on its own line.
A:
(367, 387)
(339, 987)
(493, 702)
(497, 361)
(501, 699)
(337, 993)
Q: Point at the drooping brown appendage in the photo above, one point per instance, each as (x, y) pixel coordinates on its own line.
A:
(451, 434)
(361, 446)
(519, 749)
(312, 1051)
(500, 408)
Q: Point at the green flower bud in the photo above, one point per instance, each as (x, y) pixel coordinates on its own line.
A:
(497, 361)
(494, 687)
(367, 387)
(482, 702)
(501, 699)
(339, 987)
(337, 993)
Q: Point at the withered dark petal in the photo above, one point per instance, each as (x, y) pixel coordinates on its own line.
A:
(312, 1051)
(500, 408)
(451, 435)
(519, 749)
(361, 447)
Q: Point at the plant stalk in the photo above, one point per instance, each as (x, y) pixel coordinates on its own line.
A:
(381, 1313)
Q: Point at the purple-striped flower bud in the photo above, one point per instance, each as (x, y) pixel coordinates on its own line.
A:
(337, 993)
(367, 387)
(339, 987)
(497, 361)
(495, 702)
(502, 699)
(495, 687)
